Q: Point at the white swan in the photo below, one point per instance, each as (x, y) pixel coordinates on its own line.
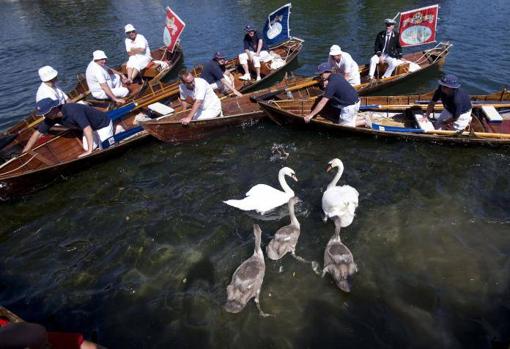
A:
(338, 260)
(263, 198)
(247, 279)
(340, 201)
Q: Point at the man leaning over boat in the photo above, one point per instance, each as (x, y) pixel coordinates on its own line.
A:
(217, 75)
(456, 102)
(48, 87)
(343, 98)
(344, 64)
(197, 93)
(95, 124)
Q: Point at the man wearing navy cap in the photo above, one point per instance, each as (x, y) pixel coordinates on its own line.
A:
(255, 50)
(343, 97)
(456, 102)
(387, 49)
(216, 74)
(96, 125)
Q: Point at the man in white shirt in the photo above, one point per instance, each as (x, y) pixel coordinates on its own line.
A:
(343, 64)
(138, 51)
(387, 49)
(48, 87)
(199, 94)
(104, 82)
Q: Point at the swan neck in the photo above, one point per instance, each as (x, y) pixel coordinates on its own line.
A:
(292, 213)
(338, 226)
(257, 249)
(284, 185)
(337, 176)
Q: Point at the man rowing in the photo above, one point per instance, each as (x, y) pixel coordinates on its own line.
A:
(197, 93)
(96, 125)
(217, 75)
(456, 102)
(387, 50)
(255, 50)
(138, 51)
(343, 63)
(104, 82)
(48, 87)
(343, 98)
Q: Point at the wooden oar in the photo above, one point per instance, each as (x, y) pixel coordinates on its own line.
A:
(269, 95)
(470, 134)
(396, 107)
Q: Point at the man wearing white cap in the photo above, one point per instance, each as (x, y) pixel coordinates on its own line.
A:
(104, 82)
(48, 87)
(343, 63)
(387, 49)
(138, 50)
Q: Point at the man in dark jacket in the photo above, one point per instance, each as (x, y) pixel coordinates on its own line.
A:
(255, 50)
(387, 49)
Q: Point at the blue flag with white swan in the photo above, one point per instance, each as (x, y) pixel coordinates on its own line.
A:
(277, 29)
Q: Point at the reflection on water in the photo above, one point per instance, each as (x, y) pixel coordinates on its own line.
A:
(139, 250)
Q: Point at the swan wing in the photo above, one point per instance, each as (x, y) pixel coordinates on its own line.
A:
(340, 201)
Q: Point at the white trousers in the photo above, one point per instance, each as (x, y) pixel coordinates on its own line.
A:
(99, 136)
(138, 62)
(208, 113)
(392, 64)
(264, 56)
(218, 85)
(460, 124)
(348, 115)
(115, 85)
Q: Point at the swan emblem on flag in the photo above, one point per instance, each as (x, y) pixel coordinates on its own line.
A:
(275, 27)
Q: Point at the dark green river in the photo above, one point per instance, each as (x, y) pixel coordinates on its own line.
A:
(137, 252)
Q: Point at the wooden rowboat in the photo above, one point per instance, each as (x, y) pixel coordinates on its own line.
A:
(287, 51)
(400, 121)
(237, 111)
(423, 61)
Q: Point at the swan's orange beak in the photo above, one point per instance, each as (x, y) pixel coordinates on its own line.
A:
(294, 178)
(329, 168)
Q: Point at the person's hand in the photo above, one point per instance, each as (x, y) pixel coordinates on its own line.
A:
(120, 100)
(185, 121)
(85, 154)
(125, 80)
(308, 118)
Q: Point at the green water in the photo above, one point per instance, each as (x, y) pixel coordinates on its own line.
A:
(137, 252)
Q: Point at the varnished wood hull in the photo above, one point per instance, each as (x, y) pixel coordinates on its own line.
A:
(237, 111)
(292, 115)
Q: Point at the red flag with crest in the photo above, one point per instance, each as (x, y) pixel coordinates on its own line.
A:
(418, 27)
(174, 26)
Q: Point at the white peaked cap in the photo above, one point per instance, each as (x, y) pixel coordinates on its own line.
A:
(47, 73)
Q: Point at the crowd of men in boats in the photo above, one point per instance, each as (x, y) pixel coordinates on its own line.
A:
(339, 76)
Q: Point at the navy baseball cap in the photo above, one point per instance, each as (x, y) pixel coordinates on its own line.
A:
(449, 80)
(323, 68)
(249, 28)
(219, 55)
(44, 106)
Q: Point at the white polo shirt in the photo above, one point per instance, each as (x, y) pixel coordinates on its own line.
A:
(203, 92)
(96, 75)
(139, 42)
(346, 64)
(46, 91)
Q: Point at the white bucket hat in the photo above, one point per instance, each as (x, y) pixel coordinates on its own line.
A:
(335, 50)
(129, 28)
(98, 54)
(47, 73)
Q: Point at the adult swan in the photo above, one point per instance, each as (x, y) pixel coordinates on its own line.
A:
(339, 201)
(263, 198)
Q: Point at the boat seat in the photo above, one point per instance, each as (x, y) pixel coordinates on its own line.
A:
(402, 68)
